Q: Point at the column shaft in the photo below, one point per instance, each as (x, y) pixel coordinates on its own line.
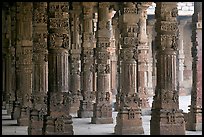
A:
(58, 119)
(129, 119)
(40, 69)
(194, 121)
(166, 117)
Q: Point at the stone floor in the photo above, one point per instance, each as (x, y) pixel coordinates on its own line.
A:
(83, 126)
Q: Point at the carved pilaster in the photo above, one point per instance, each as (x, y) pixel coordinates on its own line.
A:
(24, 51)
(166, 117)
(88, 94)
(102, 113)
(75, 63)
(40, 69)
(129, 119)
(194, 121)
(58, 119)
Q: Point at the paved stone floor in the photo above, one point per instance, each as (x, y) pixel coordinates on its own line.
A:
(83, 126)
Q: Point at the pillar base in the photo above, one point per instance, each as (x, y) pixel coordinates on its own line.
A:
(74, 107)
(165, 122)
(24, 118)
(102, 113)
(127, 125)
(85, 109)
(61, 125)
(194, 121)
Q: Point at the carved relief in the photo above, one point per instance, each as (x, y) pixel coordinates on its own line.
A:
(169, 26)
(59, 102)
(168, 42)
(130, 100)
(103, 68)
(39, 13)
(131, 113)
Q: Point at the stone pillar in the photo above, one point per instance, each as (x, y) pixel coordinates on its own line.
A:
(16, 106)
(118, 46)
(40, 69)
(129, 120)
(194, 121)
(58, 119)
(143, 57)
(8, 57)
(150, 59)
(5, 44)
(24, 51)
(113, 58)
(102, 112)
(181, 57)
(75, 51)
(13, 60)
(166, 117)
(86, 105)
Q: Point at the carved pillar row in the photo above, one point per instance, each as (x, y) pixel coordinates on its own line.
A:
(150, 59)
(24, 51)
(102, 112)
(181, 57)
(58, 119)
(166, 117)
(75, 56)
(129, 120)
(40, 69)
(195, 115)
(86, 105)
(143, 50)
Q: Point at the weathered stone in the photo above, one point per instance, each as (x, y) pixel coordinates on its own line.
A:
(167, 118)
(195, 115)
(129, 119)
(102, 111)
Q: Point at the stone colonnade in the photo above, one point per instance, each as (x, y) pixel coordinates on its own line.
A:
(54, 64)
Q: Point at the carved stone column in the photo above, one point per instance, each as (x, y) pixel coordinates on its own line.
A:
(181, 57)
(194, 121)
(16, 106)
(58, 119)
(166, 117)
(5, 57)
(129, 120)
(8, 57)
(102, 113)
(150, 59)
(118, 46)
(24, 51)
(13, 60)
(75, 51)
(143, 56)
(113, 58)
(40, 69)
(86, 105)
